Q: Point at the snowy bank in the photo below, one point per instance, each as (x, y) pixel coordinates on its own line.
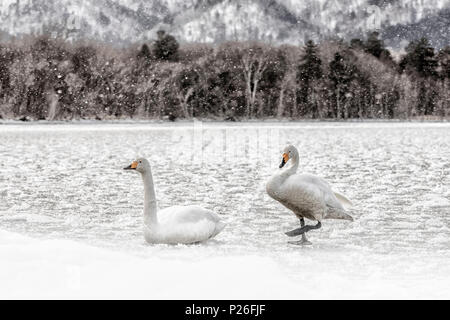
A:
(36, 268)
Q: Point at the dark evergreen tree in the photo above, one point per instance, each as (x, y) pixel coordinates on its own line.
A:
(144, 53)
(6, 58)
(356, 43)
(420, 58)
(339, 73)
(81, 61)
(444, 62)
(310, 69)
(342, 73)
(374, 45)
(311, 66)
(166, 47)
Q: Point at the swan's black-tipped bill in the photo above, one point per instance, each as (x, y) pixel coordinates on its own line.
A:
(282, 163)
(132, 166)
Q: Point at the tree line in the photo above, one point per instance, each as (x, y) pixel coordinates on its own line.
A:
(46, 78)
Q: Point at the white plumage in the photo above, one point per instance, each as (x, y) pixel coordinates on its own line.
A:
(177, 224)
(184, 224)
(308, 196)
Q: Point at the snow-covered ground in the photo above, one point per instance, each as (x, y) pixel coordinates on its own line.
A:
(70, 217)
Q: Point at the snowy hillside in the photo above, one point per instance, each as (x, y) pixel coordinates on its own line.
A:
(275, 21)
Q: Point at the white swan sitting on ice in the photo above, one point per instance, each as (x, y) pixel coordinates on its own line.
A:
(177, 224)
(308, 196)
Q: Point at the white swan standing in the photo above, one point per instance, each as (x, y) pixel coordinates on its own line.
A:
(177, 224)
(308, 196)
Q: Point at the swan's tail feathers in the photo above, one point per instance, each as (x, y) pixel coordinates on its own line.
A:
(347, 217)
(335, 213)
(219, 227)
(343, 200)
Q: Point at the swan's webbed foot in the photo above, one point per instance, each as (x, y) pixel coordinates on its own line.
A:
(302, 230)
(302, 242)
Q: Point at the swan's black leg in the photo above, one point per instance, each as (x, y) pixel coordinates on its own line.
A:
(304, 241)
(303, 229)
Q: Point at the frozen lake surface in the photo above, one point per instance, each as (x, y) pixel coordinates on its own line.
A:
(71, 218)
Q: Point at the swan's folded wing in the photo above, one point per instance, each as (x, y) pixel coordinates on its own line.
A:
(336, 209)
(327, 193)
(186, 214)
(188, 224)
(303, 195)
(331, 200)
(311, 186)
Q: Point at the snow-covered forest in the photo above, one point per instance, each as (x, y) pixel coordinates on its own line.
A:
(46, 78)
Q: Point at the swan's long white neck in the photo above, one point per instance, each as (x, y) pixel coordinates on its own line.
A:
(150, 208)
(274, 184)
(292, 169)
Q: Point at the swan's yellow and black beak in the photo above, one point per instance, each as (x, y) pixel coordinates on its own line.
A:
(284, 160)
(132, 166)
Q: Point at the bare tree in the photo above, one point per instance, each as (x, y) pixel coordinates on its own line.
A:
(254, 62)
